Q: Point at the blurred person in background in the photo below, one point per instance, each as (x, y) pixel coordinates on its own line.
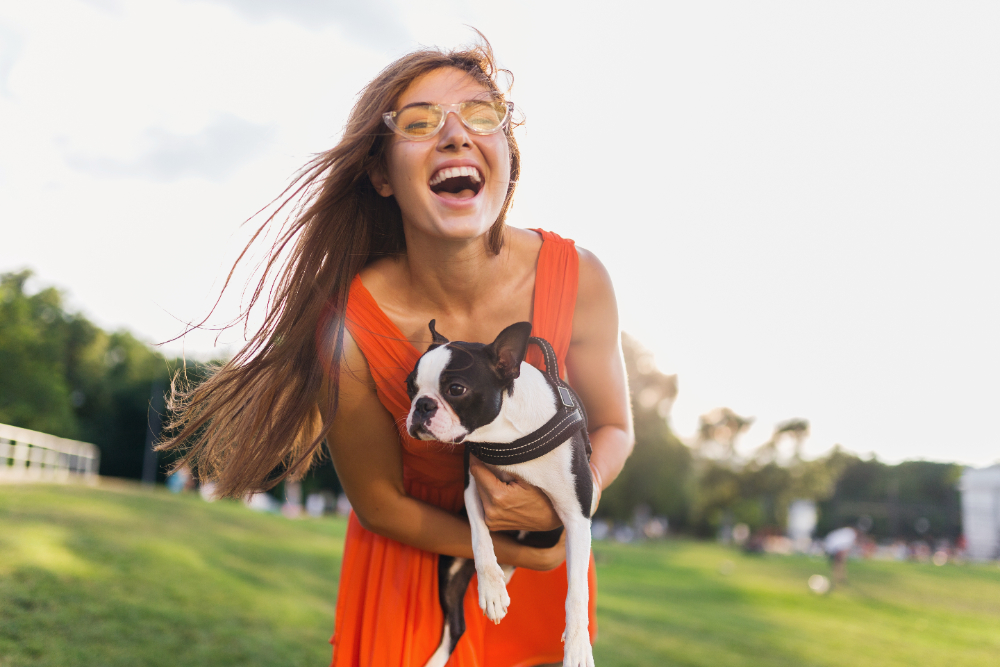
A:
(402, 222)
(838, 545)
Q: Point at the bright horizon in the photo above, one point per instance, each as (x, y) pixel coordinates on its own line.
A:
(798, 203)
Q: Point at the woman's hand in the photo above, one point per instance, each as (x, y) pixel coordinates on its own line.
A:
(514, 505)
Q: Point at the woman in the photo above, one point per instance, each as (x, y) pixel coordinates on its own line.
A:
(403, 222)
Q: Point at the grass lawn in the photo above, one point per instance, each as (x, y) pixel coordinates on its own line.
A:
(669, 604)
(121, 575)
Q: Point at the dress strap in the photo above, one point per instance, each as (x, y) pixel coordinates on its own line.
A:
(390, 355)
(556, 278)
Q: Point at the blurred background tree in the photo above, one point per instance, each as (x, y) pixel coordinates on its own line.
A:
(658, 475)
(910, 500)
(40, 348)
(64, 375)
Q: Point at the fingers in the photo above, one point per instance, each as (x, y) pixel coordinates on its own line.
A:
(512, 505)
(485, 478)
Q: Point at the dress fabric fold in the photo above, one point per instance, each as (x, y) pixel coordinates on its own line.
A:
(388, 614)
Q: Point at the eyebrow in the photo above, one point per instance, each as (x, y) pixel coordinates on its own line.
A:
(418, 104)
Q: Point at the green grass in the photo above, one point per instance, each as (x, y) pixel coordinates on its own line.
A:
(122, 575)
(670, 604)
(130, 576)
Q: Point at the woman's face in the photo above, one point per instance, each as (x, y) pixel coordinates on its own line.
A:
(452, 208)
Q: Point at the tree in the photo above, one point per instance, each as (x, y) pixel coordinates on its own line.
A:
(892, 499)
(718, 432)
(37, 339)
(61, 374)
(757, 490)
(658, 473)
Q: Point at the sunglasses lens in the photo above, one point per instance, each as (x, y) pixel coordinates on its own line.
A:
(423, 120)
(418, 121)
(484, 117)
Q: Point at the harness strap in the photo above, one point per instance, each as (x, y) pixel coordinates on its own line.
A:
(570, 417)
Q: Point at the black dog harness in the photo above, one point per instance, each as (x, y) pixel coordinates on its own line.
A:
(570, 417)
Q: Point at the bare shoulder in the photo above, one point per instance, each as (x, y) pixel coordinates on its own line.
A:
(356, 383)
(522, 247)
(524, 241)
(381, 274)
(596, 312)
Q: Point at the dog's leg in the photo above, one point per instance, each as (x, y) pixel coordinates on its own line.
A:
(577, 651)
(454, 575)
(564, 475)
(493, 598)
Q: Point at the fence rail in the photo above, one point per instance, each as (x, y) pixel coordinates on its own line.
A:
(32, 456)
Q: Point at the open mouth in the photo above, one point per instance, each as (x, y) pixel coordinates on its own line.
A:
(457, 182)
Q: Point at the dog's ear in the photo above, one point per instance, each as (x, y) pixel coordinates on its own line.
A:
(436, 338)
(509, 349)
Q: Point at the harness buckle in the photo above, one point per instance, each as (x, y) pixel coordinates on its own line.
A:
(567, 399)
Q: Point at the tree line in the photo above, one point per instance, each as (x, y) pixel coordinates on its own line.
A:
(706, 484)
(64, 375)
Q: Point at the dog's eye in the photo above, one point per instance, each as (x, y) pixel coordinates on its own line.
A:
(456, 389)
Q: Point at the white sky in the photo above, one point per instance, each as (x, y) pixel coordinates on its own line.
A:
(799, 202)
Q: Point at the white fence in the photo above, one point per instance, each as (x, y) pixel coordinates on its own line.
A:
(32, 456)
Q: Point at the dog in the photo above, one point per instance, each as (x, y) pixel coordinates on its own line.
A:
(521, 423)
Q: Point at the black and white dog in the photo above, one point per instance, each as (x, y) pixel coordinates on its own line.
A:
(522, 423)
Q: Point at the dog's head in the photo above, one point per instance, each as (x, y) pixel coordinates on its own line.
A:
(458, 387)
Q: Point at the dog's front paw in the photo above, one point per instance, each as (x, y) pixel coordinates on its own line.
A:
(493, 598)
(577, 651)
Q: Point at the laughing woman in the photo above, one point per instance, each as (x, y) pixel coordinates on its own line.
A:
(400, 223)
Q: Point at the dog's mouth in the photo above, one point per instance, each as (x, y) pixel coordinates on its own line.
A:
(421, 432)
(457, 182)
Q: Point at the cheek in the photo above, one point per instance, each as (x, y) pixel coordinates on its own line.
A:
(401, 166)
(501, 161)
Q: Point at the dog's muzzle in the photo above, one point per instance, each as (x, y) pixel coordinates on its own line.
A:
(423, 409)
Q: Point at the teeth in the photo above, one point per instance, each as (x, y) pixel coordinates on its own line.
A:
(455, 172)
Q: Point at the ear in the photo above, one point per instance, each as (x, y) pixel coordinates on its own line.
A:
(509, 349)
(380, 182)
(436, 338)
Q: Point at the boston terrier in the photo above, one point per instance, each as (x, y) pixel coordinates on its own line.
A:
(521, 423)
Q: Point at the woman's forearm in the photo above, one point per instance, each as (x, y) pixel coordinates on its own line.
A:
(611, 447)
(424, 526)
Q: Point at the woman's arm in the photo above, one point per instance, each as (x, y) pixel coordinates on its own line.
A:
(597, 373)
(367, 455)
(597, 370)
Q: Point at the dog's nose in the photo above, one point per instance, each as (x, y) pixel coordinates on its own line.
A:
(424, 408)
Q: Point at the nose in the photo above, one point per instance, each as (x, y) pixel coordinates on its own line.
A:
(454, 134)
(424, 409)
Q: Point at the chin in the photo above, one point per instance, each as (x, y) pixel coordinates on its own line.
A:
(462, 230)
(452, 227)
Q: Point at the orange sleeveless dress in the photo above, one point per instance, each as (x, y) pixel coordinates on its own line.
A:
(388, 614)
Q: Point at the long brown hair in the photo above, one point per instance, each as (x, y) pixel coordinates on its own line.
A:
(256, 419)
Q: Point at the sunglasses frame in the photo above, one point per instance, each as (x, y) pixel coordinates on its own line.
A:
(390, 120)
